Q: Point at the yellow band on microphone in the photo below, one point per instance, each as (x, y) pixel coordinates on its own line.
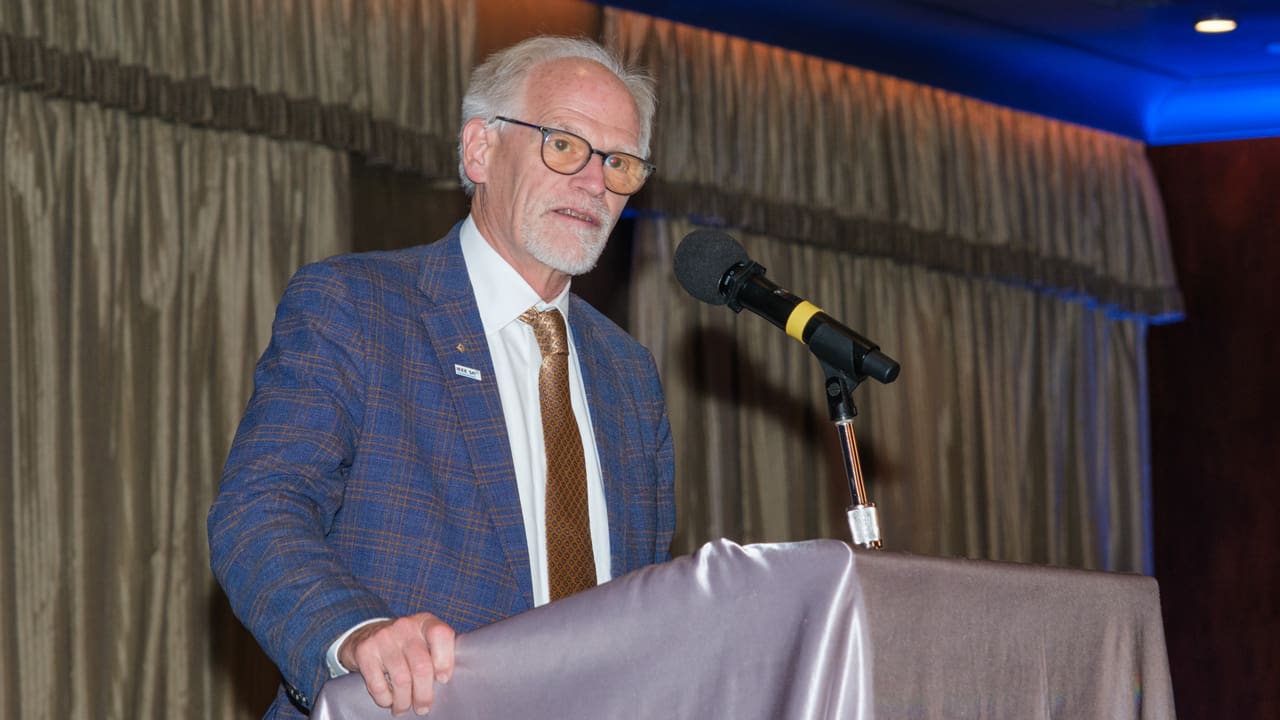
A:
(799, 317)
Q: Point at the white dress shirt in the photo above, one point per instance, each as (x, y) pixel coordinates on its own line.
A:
(502, 296)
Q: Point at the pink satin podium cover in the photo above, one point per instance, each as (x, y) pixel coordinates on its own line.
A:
(763, 631)
(810, 631)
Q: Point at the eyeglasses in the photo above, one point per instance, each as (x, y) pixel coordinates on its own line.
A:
(567, 154)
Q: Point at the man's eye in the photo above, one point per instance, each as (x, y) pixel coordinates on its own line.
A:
(616, 162)
(561, 145)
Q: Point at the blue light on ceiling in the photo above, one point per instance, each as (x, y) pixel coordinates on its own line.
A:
(1136, 69)
(1193, 113)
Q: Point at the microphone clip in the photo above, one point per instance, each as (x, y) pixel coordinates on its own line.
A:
(839, 387)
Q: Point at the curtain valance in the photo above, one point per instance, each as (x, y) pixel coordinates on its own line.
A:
(804, 149)
(383, 78)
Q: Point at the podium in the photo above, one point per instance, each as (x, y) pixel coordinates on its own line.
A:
(974, 639)
(814, 630)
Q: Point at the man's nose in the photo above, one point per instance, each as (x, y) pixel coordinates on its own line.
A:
(591, 177)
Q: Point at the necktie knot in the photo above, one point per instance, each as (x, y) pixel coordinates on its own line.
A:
(549, 329)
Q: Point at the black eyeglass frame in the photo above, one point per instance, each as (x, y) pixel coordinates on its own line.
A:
(649, 167)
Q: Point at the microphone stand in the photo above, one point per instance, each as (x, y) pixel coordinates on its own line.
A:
(864, 526)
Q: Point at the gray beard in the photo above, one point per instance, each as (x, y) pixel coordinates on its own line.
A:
(559, 254)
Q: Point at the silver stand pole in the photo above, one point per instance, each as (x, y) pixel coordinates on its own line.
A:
(864, 525)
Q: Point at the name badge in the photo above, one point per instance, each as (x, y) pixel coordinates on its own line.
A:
(467, 372)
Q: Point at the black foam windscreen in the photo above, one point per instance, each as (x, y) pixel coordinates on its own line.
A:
(701, 261)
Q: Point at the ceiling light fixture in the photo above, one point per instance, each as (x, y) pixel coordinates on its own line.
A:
(1215, 24)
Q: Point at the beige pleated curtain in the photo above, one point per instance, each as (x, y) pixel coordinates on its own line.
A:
(1009, 262)
(165, 166)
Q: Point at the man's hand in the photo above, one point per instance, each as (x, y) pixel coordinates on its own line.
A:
(401, 659)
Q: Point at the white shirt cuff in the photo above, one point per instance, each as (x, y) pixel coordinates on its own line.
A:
(336, 668)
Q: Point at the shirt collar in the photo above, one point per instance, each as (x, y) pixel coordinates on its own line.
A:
(501, 294)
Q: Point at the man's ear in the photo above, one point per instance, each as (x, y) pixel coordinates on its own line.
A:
(477, 149)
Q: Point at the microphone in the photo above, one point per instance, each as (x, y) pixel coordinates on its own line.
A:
(715, 269)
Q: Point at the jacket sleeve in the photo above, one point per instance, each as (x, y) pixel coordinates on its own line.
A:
(663, 461)
(284, 480)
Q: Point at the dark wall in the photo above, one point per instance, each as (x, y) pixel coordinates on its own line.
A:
(1215, 433)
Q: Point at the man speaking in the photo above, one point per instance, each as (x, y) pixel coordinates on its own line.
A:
(444, 436)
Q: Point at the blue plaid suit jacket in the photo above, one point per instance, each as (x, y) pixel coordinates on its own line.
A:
(368, 478)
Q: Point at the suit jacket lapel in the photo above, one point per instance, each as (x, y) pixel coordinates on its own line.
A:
(453, 326)
(607, 425)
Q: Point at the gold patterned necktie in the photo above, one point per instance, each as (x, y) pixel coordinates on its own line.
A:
(570, 561)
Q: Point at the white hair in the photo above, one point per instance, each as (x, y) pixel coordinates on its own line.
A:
(497, 84)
